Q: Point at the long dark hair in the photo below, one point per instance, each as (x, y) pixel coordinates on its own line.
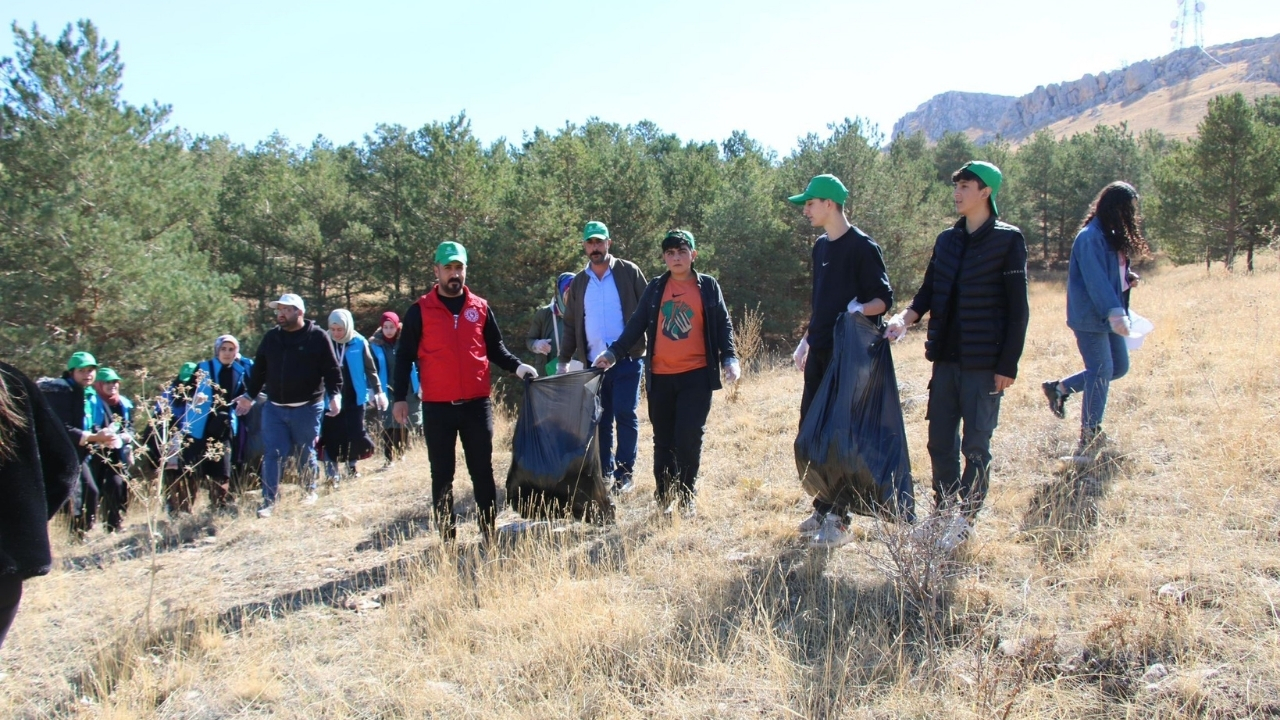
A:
(1116, 208)
(12, 418)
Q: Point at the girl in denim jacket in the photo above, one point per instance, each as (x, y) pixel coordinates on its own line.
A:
(1098, 285)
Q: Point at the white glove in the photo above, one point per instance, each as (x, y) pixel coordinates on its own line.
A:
(380, 402)
(1119, 325)
(732, 371)
(243, 405)
(897, 327)
(562, 368)
(335, 406)
(542, 347)
(802, 353)
(526, 372)
(854, 306)
(604, 361)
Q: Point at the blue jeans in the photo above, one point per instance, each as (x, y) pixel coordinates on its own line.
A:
(289, 432)
(1106, 358)
(619, 400)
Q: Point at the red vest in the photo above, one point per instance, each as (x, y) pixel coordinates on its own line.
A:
(452, 361)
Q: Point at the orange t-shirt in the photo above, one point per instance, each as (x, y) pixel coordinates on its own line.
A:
(681, 344)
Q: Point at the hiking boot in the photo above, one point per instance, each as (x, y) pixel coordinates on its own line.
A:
(833, 532)
(1057, 398)
(812, 523)
(955, 533)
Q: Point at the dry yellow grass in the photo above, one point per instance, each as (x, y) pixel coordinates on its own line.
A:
(1072, 589)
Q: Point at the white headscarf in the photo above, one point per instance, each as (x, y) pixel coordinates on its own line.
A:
(343, 317)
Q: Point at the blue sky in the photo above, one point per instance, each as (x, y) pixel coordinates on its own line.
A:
(698, 69)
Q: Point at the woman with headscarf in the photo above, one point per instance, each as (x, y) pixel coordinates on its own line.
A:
(546, 330)
(343, 437)
(395, 436)
(211, 426)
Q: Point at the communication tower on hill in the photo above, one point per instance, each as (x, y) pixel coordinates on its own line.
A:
(1188, 25)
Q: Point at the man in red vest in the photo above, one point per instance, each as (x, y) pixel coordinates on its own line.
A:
(453, 334)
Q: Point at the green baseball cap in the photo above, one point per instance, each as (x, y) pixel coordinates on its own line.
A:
(187, 371)
(81, 359)
(107, 375)
(449, 252)
(676, 238)
(595, 229)
(989, 174)
(824, 187)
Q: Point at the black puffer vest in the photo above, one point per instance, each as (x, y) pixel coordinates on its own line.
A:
(976, 273)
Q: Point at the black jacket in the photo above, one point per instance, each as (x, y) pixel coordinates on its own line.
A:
(717, 328)
(987, 275)
(66, 399)
(35, 479)
(295, 367)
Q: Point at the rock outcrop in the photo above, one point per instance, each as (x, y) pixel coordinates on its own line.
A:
(984, 117)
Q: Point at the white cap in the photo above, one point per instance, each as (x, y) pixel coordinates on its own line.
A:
(288, 299)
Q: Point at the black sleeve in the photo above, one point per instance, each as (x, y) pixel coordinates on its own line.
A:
(1015, 288)
(923, 301)
(728, 348)
(258, 372)
(494, 347)
(635, 326)
(873, 277)
(572, 315)
(329, 368)
(406, 352)
(58, 459)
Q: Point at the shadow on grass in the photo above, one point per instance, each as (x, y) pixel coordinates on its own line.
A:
(1062, 517)
(175, 534)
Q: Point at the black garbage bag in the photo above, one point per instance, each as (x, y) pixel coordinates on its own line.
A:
(852, 446)
(555, 455)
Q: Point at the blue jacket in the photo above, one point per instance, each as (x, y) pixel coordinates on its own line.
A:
(353, 362)
(1094, 291)
(385, 371)
(197, 417)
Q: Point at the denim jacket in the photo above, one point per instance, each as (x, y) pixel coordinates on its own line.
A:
(1094, 290)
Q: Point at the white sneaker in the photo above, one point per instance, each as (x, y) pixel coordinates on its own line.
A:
(956, 533)
(311, 498)
(264, 511)
(833, 533)
(812, 523)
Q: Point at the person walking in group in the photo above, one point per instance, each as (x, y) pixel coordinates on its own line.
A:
(690, 340)
(849, 275)
(454, 336)
(296, 365)
(395, 436)
(111, 463)
(211, 427)
(546, 330)
(1098, 282)
(38, 467)
(975, 291)
(602, 298)
(343, 436)
(73, 401)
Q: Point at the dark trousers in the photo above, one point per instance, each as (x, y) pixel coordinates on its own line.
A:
(957, 396)
(83, 504)
(678, 408)
(114, 489)
(442, 425)
(395, 440)
(814, 368)
(10, 595)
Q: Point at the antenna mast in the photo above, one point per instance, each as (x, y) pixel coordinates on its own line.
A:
(1189, 21)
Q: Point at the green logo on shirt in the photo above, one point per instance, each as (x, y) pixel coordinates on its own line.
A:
(677, 319)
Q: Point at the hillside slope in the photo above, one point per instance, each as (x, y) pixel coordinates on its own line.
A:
(1145, 587)
(1169, 94)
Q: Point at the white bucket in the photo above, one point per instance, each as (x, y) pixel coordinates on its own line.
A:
(1139, 329)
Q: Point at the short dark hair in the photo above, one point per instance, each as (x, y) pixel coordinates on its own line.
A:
(966, 174)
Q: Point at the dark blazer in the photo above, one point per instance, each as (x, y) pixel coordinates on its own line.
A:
(36, 476)
(717, 329)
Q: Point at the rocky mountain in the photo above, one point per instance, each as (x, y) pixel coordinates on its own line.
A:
(1169, 94)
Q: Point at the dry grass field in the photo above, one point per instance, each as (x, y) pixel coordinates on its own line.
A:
(1144, 587)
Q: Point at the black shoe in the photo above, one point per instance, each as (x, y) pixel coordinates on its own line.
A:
(1057, 398)
(624, 484)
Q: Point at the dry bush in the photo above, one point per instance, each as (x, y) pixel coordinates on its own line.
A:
(1074, 588)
